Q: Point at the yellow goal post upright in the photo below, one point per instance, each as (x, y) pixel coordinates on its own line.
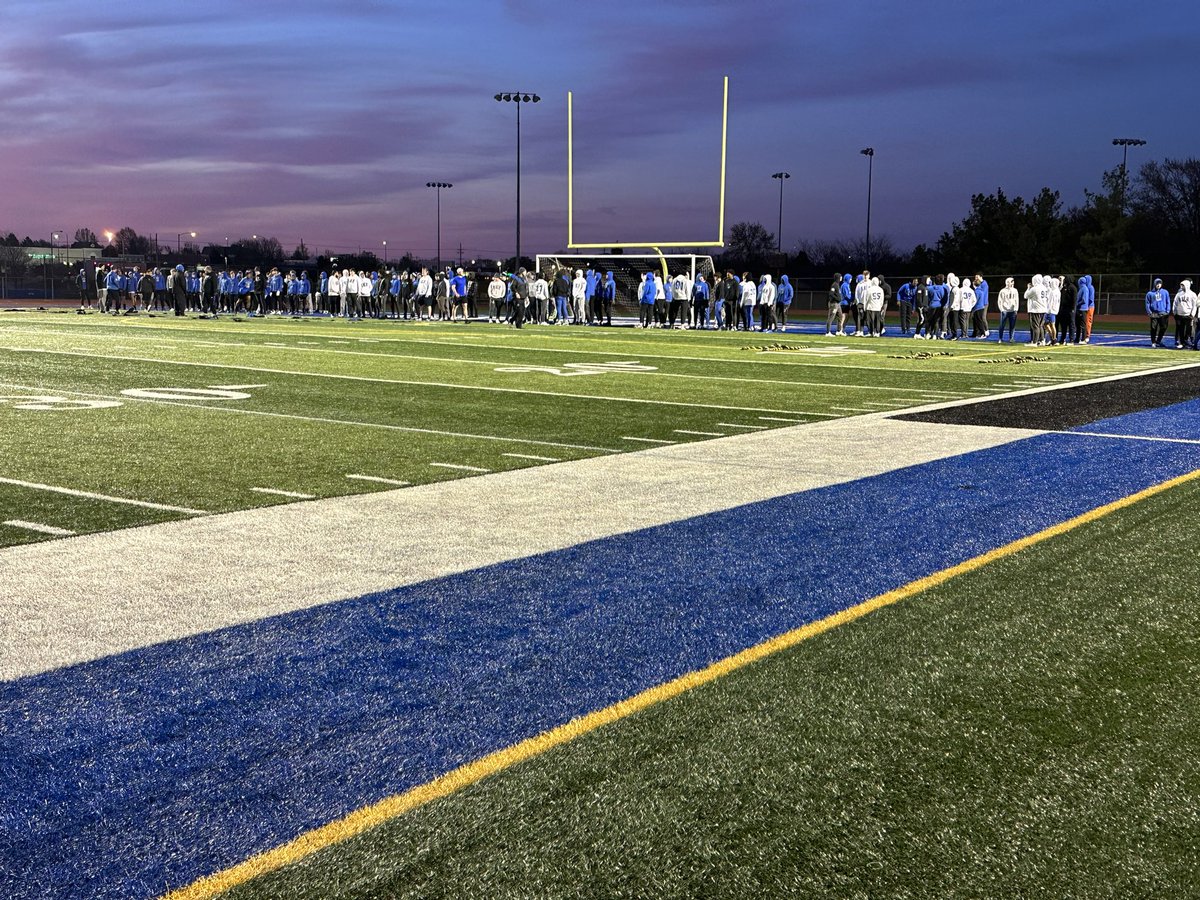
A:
(655, 246)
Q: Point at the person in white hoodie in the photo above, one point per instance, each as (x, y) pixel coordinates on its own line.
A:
(578, 298)
(1008, 301)
(766, 304)
(1053, 302)
(1184, 309)
(875, 301)
(748, 297)
(1035, 304)
(953, 325)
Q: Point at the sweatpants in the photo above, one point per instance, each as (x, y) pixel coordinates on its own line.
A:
(645, 314)
(1158, 328)
(979, 325)
(905, 317)
(832, 317)
(1183, 330)
(1037, 327)
(1067, 325)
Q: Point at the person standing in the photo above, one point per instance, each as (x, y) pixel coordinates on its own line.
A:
(833, 307)
(520, 293)
(938, 297)
(539, 300)
(906, 299)
(1066, 310)
(608, 296)
(921, 302)
(1158, 308)
(766, 304)
(860, 302)
(646, 297)
(979, 322)
(1035, 304)
(847, 303)
(178, 290)
(681, 294)
(424, 295)
(1053, 301)
(1085, 306)
(700, 294)
(1008, 302)
(783, 301)
(749, 297)
(578, 298)
(593, 282)
(876, 303)
(725, 310)
(458, 295)
(1184, 309)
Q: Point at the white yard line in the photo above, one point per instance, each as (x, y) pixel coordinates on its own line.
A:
(278, 493)
(700, 433)
(458, 467)
(65, 602)
(88, 495)
(433, 384)
(778, 419)
(736, 425)
(378, 480)
(649, 440)
(41, 529)
(531, 456)
(853, 409)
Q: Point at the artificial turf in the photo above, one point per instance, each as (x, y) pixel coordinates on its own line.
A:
(389, 400)
(1024, 730)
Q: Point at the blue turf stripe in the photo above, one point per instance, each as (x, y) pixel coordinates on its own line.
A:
(146, 770)
(1179, 420)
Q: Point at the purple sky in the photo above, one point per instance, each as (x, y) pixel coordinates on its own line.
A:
(323, 121)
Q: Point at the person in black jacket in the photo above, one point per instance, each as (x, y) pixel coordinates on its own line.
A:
(179, 290)
(1066, 310)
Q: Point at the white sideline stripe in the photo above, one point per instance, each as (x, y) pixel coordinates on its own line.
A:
(701, 433)
(88, 495)
(649, 440)
(64, 602)
(531, 456)
(279, 493)
(1131, 437)
(459, 466)
(434, 384)
(43, 529)
(376, 478)
(736, 425)
(325, 421)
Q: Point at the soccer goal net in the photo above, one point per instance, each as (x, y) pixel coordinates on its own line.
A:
(629, 269)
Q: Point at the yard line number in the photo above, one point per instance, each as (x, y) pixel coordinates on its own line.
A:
(597, 368)
(54, 403)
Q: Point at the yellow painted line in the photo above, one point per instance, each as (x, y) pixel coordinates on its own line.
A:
(389, 808)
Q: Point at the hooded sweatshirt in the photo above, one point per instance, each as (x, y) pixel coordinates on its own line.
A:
(1185, 301)
(846, 295)
(1085, 299)
(1158, 300)
(786, 292)
(875, 296)
(766, 291)
(608, 290)
(1053, 295)
(1009, 300)
(981, 295)
(1035, 296)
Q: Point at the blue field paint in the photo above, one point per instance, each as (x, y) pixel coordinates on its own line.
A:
(1179, 420)
(141, 772)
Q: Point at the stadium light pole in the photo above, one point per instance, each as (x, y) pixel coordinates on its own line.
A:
(869, 153)
(438, 185)
(179, 238)
(782, 176)
(385, 253)
(1125, 144)
(518, 97)
(49, 287)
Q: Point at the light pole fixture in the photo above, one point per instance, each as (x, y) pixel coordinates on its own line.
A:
(385, 253)
(179, 237)
(518, 97)
(782, 176)
(438, 185)
(46, 269)
(869, 153)
(1126, 143)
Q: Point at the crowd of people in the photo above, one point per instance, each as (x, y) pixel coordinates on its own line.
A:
(1059, 310)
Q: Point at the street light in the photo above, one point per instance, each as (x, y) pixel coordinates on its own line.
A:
(869, 153)
(49, 288)
(518, 97)
(782, 176)
(438, 185)
(385, 253)
(179, 237)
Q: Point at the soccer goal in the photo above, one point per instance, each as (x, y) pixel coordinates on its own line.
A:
(629, 269)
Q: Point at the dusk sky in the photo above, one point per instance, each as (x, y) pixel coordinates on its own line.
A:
(324, 121)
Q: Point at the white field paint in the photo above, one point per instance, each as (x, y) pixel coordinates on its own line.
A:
(38, 527)
(88, 495)
(531, 456)
(458, 467)
(434, 384)
(699, 433)
(278, 493)
(63, 602)
(378, 480)
(643, 440)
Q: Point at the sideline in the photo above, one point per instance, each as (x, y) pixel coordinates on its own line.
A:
(376, 814)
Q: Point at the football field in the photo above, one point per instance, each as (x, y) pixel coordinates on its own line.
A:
(310, 608)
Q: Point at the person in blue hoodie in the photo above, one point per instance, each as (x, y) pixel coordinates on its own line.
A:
(590, 293)
(906, 298)
(646, 298)
(979, 322)
(847, 303)
(700, 295)
(608, 296)
(783, 301)
(1158, 308)
(938, 293)
(115, 285)
(1085, 303)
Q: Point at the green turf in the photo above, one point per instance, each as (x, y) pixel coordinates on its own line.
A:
(388, 400)
(1028, 730)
